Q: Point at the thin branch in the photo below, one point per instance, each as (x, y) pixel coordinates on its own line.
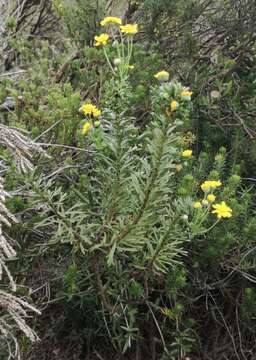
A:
(157, 325)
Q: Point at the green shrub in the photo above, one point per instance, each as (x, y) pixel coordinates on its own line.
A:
(116, 219)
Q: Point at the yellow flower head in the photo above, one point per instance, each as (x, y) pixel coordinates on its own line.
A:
(101, 39)
(222, 210)
(186, 94)
(86, 127)
(162, 75)
(90, 109)
(96, 112)
(211, 198)
(129, 29)
(197, 205)
(210, 184)
(187, 153)
(178, 167)
(174, 105)
(111, 20)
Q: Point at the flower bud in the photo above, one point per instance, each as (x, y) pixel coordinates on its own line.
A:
(117, 61)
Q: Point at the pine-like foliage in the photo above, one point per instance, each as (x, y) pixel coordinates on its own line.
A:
(125, 222)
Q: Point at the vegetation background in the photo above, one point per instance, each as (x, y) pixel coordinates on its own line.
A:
(102, 253)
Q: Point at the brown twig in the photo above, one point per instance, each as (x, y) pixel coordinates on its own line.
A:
(100, 286)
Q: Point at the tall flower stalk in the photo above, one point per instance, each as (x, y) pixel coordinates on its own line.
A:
(123, 46)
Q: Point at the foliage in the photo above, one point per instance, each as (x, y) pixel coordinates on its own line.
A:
(131, 256)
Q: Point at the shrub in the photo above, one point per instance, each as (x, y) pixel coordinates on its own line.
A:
(125, 219)
(134, 214)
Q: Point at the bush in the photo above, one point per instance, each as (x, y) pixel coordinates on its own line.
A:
(144, 255)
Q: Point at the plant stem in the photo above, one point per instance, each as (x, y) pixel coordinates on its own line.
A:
(108, 61)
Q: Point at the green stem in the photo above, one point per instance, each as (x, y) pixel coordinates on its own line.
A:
(210, 228)
(108, 61)
(117, 45)
(130, 46)
(122, 44)
(204, 215)
(153, 178)
(157, 251)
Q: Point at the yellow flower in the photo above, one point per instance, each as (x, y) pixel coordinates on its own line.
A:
(96, 112)
(90, 109)
(211, 198)
(130, 67)
(129, 29)
(222, 210)
(162, 75)
(86, 127)
(187, 153)
(111, 20)
(178, 167)
(101, 39)
(210, 184)
(186, 94)
(174, 105)
(197, 205)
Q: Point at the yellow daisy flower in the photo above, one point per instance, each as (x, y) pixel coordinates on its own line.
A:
(101, 39)
(211, 198)
(210, 184)
(162, 75)
(96, 112)
(222, 210)
(197, 205)
(187, 153)
(186, 94)
(111, 20)
(90, 109)
(174, 105)
(129, 29)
